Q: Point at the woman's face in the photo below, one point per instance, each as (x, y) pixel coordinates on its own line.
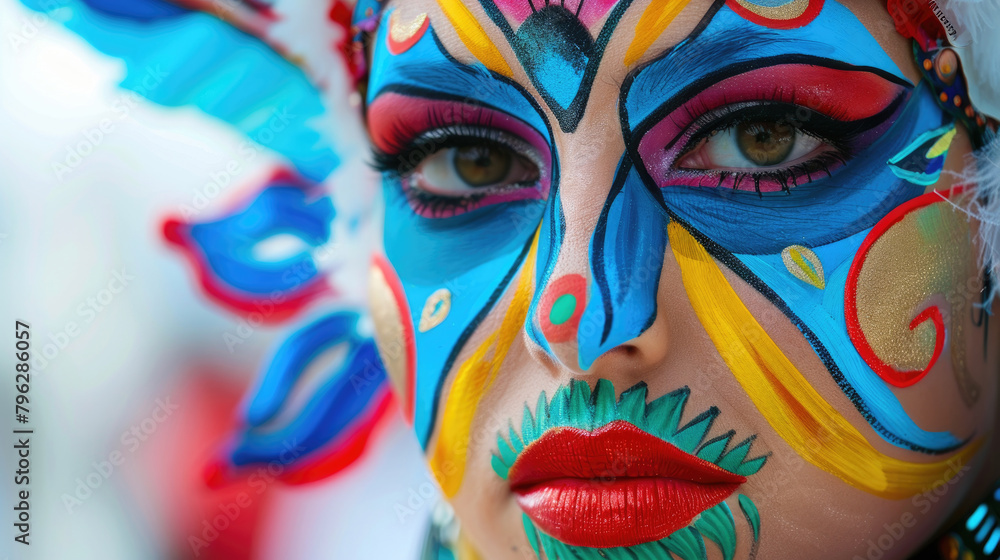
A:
(678, 276)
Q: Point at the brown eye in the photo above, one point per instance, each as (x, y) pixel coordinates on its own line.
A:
(765, 143)
(478, 166)
(483, 165)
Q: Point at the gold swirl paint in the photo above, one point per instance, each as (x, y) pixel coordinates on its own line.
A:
(783, 396)
(926, 254)
(789, 10)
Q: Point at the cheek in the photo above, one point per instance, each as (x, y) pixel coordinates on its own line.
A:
(909, 288)
(393, 331)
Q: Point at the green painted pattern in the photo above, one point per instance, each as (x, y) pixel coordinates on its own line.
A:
(752, 515)
(576, 406)
(718, 526)
(562, 309)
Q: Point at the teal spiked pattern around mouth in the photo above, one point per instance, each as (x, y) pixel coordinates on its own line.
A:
(575, 406)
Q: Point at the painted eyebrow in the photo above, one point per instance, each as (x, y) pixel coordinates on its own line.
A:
(703, 61)
(703, 55)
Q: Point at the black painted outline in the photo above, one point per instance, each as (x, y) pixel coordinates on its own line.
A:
(724, 256)
(570, 117)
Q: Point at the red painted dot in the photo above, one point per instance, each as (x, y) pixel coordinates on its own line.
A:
(562, 306)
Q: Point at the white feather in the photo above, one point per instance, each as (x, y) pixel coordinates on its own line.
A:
(982, 203)
(979, 20)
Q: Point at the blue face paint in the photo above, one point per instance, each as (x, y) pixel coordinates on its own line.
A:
(473, 254)
(626, 258)
(830, 214)
(558, 53)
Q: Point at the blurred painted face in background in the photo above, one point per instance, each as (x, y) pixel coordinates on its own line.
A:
(678, 277)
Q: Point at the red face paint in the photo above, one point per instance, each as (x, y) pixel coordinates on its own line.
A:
(561, 307)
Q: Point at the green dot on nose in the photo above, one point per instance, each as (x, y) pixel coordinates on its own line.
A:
(562, 309)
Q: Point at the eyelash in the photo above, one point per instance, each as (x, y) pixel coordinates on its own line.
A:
(828, 129)
(412, 153)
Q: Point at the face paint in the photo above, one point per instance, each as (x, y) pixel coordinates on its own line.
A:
(884, 287)
(472, 381)
(557, 49)
(816, 431)
(803, 264)
(654, 21)
(438, 242)
(786, 207)
(922, 161)
(585, 447)
(403, 35)
(780, 14)
(473, 36)
(888, 116)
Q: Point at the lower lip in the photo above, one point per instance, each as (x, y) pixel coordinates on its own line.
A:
(615, 487)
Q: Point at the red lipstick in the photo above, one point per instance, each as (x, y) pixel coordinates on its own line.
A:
(616, 486)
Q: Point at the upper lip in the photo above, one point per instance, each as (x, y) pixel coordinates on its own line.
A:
(615, 486)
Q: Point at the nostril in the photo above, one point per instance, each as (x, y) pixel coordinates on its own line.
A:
(625, 351)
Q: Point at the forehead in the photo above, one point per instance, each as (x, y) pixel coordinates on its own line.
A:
(566, 53)
(560, 50)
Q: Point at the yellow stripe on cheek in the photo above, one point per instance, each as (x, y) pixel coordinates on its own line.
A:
(793, 408)
(653, 22)
(474, 37)
(473, 379)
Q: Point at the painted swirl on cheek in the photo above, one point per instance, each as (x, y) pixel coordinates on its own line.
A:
(796, 411)
(920, 250)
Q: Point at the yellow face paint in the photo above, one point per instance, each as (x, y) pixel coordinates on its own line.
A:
(793, 408)
(474, 37)
(803, 264)
(941, 146)
(474, 378)
(653, 22)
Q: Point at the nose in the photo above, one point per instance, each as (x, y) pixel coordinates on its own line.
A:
(595, 309)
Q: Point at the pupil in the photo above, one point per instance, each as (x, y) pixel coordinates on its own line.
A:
(482, 166)
(766, 143)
